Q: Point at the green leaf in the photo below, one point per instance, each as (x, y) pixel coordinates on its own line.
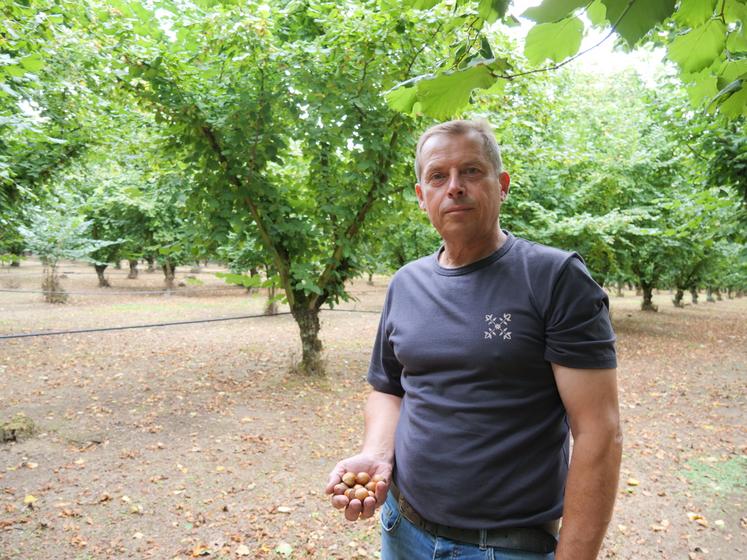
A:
(556, 41)
(14, 70)
(32, 62)
(553, 10)
(736, 41)
(239, 279)
(441, 97)
(701, 86)
(498, 87)
(597, 13)
(692, 13)
(491, 10)
(639, 19)
(735, 11)
(732, 70)
(421, 4)
(698, 48)
(402, 98)
(485, 50)
(736, 104)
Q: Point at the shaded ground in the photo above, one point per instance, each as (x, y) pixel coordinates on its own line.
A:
(197, 440)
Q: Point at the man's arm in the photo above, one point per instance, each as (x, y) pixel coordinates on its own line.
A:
(590, 398)
(381, 415)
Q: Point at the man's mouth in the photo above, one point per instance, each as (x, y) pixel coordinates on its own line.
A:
(453, 209)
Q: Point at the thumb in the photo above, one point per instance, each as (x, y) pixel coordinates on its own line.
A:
(335, 477)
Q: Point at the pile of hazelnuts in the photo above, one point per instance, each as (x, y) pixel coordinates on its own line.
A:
(357, 486)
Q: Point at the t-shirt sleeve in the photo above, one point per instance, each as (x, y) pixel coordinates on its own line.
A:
(578, 332)
(384, 371)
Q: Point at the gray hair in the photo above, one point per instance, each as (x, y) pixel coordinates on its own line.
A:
(459, 127)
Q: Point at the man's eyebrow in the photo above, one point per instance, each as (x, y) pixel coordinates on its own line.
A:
(473, 163)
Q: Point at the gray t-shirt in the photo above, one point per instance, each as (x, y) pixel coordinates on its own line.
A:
(482, 440)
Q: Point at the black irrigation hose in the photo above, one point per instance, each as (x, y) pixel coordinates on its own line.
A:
(153, 325)
(164, 291)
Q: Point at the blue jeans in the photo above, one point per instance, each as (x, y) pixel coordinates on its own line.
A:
(401, 540)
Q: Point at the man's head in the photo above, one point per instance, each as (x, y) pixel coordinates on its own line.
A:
(461, 184)
(459, 127)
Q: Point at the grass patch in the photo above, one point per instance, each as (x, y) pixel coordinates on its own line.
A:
(718, 477)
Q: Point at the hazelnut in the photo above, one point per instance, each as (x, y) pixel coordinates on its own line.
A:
(349, 479)
(339, 489)
(371, 486)
(361, 494)
(363, 478)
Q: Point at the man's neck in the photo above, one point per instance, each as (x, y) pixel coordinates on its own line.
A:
(462, 253)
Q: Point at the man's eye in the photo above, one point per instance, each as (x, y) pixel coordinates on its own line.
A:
(472, 171)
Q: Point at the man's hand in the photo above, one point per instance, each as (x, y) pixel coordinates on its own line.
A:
(355, 509)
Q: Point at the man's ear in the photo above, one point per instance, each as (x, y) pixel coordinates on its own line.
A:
(505, 180)
(419, 194)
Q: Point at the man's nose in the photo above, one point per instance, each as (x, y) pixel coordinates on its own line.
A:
(455, 187)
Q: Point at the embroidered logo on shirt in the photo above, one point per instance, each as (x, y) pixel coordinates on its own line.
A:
(498, 326)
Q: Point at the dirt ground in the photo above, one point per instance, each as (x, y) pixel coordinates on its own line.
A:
(198, 440)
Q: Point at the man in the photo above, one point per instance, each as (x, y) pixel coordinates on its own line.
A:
(487, 352)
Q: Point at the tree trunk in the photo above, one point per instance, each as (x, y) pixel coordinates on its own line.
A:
(118, 264)
(709, 295)
(694, 295)
(308, 326)
(648, 294)
(168, 275)
(195, 267)
(103, 282)
(719, 297)
(151, 264)
(370, 279)
(620, 290)
(271, 308)
(16, 262)
(53, 292)
(133, 269)
(252, 273)
(677, 299)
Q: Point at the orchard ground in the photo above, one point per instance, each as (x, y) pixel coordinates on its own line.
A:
(200, 441)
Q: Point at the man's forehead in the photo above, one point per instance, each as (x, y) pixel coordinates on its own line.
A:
(446, 146)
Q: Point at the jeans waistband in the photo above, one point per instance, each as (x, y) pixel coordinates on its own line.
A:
(530, 539)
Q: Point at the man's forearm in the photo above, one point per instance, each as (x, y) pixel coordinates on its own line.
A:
(590, 494)
(381, 417)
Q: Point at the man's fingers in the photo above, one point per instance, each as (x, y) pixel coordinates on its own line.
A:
(339, 501)
(369, 506)
(382, 488)
(353, 511)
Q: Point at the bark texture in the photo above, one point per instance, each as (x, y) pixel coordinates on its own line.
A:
(132, 275)
(103, 282)
(308, 325)
(648, 294)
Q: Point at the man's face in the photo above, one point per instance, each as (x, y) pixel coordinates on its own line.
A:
(459, 188)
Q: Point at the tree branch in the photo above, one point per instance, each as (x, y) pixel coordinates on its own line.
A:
(355, 224)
